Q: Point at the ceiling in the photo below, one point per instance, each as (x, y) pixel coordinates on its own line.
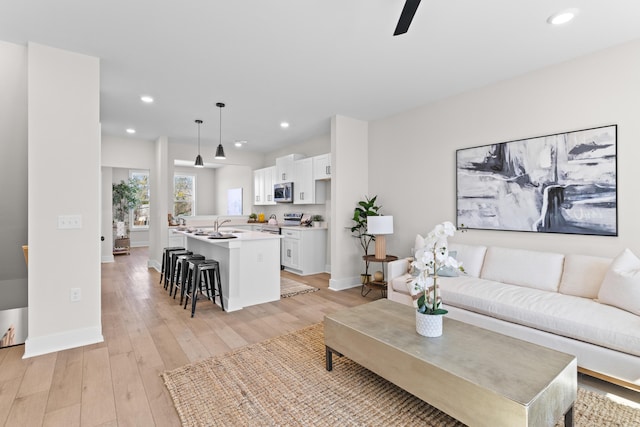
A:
(301, 61)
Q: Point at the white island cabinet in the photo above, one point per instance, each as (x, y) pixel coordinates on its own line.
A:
(249, 265)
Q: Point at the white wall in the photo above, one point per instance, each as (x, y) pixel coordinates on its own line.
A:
(13, 175)
(230, 177)
(412, 155)
(320, 144)
(349, 151)
(64, 179)
(106, 225)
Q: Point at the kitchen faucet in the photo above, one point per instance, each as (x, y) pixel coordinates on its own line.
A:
(217, 224)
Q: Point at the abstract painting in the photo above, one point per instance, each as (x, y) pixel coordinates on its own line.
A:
(562, 183)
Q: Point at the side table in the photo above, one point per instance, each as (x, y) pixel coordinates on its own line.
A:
(376, 284)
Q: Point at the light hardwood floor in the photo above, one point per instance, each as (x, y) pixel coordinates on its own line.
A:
(118, 383)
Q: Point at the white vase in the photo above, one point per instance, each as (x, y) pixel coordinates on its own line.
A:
(429, 325)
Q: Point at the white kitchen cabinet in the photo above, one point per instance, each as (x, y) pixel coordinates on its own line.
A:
(263, 180)
(304, 250)
(269, 180)
(322, 166)
(284, 167)
(290, 248)
(258, 187)
(306, 190)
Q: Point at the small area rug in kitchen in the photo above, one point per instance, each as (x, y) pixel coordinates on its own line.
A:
(283, 382)
(290, 287)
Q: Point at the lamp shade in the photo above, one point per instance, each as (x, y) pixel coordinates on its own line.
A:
(220, 153)
(378, 225)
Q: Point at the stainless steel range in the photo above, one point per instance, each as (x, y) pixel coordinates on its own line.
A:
(292, 219)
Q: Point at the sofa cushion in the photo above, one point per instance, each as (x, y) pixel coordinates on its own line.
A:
(583, 274)
(447, 271)
(533, 269)
(401, 283)
(566, 315)
(621, 285)
(470, 256)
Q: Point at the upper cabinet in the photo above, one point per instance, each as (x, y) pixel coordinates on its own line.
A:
(305, 188)
(308, 174)
(322, 166)
(263, 180)
(284, 167)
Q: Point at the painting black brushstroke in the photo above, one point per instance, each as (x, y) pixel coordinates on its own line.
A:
(562, 183)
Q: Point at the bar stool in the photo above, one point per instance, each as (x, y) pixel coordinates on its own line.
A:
(209, 273)
(165, 258)
(181, 273)
(192, 270)
(170, 276)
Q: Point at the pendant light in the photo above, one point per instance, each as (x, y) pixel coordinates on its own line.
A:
(220, 150)
(199, 163)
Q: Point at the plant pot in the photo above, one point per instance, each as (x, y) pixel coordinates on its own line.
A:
(429, 325)
(365, 278)
(317, 224)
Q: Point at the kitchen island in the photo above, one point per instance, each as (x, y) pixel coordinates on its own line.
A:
(249, 264)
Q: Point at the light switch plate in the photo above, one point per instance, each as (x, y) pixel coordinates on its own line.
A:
(69, 221)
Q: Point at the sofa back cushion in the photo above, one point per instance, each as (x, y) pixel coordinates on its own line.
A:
(583, 274)
(621, 285)
(471, 257)
(533, 269)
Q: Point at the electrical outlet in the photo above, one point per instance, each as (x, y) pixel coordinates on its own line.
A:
(74, 294)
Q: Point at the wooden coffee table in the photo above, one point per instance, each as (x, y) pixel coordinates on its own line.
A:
(477, 376)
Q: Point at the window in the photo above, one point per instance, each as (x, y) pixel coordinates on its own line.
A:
(140, 213)
(184, 195)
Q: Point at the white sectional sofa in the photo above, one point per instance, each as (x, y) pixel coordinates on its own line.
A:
(550, 299)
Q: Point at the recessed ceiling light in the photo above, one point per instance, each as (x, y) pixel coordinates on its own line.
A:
(562, 17)
(239, 143)
(146, 99)
(284, 125)
(131, 130)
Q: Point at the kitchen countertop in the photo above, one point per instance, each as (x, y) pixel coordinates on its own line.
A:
(239, 235)
(302, 227)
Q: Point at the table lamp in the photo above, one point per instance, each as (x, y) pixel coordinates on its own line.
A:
(379, 226)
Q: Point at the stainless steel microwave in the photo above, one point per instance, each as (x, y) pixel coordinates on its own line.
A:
(283, 192)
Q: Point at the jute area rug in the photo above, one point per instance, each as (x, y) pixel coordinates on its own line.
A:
(283, 382)
(290, 287)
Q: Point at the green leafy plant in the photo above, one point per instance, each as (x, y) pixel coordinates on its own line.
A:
(317, 218)
(364, 209)
(125, 196)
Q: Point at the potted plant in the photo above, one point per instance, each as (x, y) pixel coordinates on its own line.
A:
(364, 209)
(253, 217)
(124, 198)
(429, 260)
(317, 220)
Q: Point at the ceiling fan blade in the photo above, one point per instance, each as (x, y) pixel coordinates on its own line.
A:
(409, 9)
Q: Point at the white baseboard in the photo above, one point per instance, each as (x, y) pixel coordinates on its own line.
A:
(108, 258)
(152, 263)
(342, 284)
(62, 341)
